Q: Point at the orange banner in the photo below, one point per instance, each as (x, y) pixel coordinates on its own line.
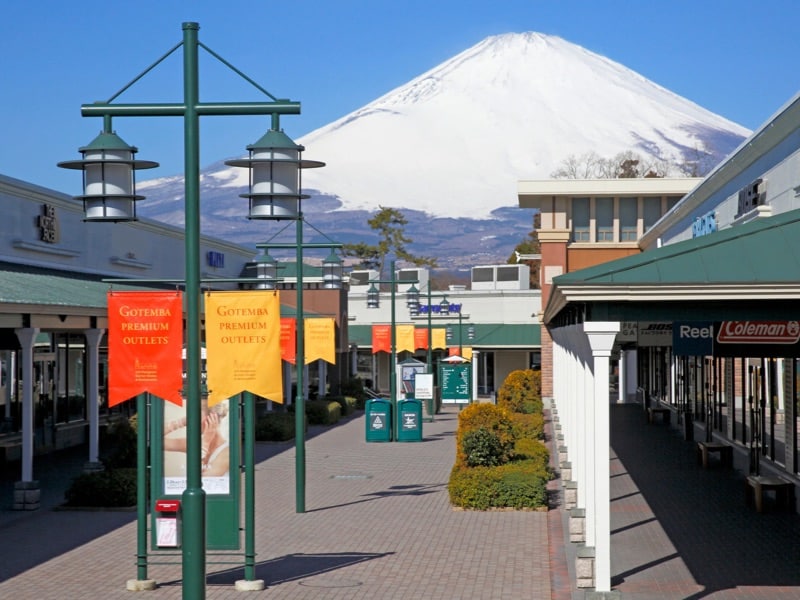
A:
(320, 340)
(438, 338)
(289, 339)
(465, 352)
(404, 338)
(381, 338)
(421, 338)
(243, 345)
(145, 338)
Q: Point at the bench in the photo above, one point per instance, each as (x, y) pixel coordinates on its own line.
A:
(704, 449)
(757, 485)
(664, 413)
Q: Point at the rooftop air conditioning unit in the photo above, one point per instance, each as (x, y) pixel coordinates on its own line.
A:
(501, 277)
(417, 277)
(363, 278)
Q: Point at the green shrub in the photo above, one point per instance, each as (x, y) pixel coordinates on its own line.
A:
(347, 403)
(521, 488)
(494, 419)
(520, 484)
(119, 444)
(323, 412)
(275, 427)
(473, 487)
(104, 488)
(354, 388)
(482, 448)
(521, 392)
(528, 425)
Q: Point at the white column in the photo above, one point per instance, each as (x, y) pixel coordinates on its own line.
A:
(27, 337)
(322, 369)
(601, 337)
(622, 387)
(93, 337)
(475, 367)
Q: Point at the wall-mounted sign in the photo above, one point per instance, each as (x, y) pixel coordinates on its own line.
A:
(757, 338)
(693, 338)
(654, 334)
(48, 224)
(705, 224)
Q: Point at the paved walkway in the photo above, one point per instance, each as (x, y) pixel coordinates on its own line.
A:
(681, 531)
(378, 525)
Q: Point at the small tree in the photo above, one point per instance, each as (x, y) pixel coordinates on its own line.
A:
(389, 224)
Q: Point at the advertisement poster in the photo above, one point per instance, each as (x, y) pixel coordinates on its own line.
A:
(215, 448)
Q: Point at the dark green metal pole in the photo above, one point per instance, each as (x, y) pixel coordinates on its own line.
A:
(249, 487)
(300, 404)
(393, 357)
(194, 497)
(142, 425)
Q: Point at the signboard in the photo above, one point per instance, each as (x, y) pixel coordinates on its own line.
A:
(408, 420)
(654, 334)
(692, 338)
(757, 339)
(456, 382)
(424, 386)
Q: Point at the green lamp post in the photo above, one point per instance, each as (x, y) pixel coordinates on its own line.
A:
(108, 168)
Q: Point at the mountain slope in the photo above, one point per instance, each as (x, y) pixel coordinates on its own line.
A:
(452, 143)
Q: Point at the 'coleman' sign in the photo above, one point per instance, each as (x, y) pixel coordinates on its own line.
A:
(757, 338)
(759, 332)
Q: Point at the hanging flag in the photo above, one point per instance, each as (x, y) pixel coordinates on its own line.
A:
(320, 339)
(438, 340)
(421, 338)
(289, 339)
(243, 345)
(404, 338)
(145, 338)
(381, 338)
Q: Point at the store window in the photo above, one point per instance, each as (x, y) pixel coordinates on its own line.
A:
(580, 220)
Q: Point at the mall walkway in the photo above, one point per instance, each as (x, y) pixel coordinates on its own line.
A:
(378, 525)
(681, 531)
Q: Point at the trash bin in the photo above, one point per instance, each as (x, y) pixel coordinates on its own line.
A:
(409, 420)
(378, 412)
(168, 523)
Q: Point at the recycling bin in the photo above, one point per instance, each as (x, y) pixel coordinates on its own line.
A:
(409, 420)
(378, 412)
(168, 523)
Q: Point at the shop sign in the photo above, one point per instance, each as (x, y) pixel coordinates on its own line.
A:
(692, 338)
(654, 334)
(779, 339)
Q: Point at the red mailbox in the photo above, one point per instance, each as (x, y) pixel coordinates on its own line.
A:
(168, 523)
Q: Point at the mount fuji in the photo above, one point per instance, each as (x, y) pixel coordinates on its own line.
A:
(448, 148)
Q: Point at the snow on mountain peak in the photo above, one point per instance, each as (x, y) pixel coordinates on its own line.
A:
(454, 141)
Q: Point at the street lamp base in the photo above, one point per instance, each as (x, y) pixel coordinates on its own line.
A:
(140, 585)
(248, 585)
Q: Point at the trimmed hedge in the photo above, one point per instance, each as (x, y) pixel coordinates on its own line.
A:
(323, 412)
(519, 484)
(348, 404)
(501, 461)
(116, 488)
(276, 427)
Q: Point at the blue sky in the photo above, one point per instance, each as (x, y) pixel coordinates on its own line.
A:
(733, 57)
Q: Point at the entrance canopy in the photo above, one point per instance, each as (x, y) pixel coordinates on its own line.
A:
(751, 271)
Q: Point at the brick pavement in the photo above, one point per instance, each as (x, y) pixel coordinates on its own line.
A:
(378, 524)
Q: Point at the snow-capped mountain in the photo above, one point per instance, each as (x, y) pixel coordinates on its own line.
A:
(448, 147)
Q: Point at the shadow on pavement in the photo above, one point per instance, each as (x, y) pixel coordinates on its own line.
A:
(723, 543)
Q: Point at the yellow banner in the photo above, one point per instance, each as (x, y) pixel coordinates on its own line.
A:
(404, 339)
(243, 345)
(438, 340)
(320, 340)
